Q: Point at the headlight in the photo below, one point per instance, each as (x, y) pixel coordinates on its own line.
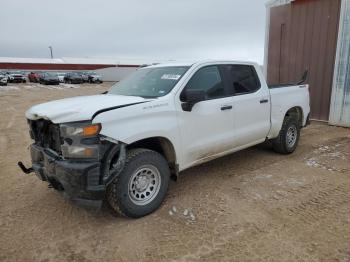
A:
(80, 151)
(72, 130)
(75, 134)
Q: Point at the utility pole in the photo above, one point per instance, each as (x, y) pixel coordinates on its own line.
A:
(50, 47)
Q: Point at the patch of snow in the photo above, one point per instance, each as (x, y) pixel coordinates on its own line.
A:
(193, 218)
(324, 154)
(8, 87)
(69, 86)
(239, 231)
(312, 162)
(257, 196)
(293, 181)
(186, 215)
(186, 212)
(263, 176)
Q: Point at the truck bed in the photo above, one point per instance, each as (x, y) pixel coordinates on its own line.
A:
(283, 98)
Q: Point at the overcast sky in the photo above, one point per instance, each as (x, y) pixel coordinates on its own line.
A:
(151, 29)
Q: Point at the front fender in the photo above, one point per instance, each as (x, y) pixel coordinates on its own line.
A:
(142, 121)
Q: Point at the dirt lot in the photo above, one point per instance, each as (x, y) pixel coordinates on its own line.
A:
(253, 205)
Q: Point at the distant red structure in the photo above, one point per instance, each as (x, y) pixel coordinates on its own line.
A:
(56, 66)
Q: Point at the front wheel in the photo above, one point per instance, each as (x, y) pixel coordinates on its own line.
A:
(288, 138)
(141, 186)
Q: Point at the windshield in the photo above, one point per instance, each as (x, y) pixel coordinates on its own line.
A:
(51, 74)
(150, 82)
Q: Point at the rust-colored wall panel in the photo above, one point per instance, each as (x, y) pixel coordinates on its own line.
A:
(277, 42)
(331, 43)
(303, 35)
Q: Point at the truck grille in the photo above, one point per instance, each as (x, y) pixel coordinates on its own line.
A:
(46, 134)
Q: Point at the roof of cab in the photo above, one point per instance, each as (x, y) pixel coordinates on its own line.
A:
(201, 62)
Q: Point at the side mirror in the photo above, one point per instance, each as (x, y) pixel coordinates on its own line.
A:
(192, 97)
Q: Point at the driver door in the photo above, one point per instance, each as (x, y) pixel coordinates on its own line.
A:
(206, 130)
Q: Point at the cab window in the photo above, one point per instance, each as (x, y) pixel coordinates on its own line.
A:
(209, 80)
(242, 79)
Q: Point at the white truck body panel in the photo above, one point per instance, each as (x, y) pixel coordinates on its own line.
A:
(205, 133)
(283, 99)
(78, 108)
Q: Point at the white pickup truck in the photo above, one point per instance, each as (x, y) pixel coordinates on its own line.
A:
(125, 144)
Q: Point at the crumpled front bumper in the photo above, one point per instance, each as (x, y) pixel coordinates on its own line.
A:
(78, 180)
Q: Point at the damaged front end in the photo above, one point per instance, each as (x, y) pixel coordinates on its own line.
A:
(75, 159)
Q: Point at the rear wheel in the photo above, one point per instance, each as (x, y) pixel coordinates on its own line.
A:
(288, 138)
(142, 185)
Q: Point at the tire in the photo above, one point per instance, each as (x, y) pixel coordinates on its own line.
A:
(288, 137)
(140, 201)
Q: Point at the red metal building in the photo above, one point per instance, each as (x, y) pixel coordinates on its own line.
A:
(309, 35)
(110, 69)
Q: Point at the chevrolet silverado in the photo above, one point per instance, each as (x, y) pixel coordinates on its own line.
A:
(123, 146)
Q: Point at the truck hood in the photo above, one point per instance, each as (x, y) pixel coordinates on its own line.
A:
(80, 108)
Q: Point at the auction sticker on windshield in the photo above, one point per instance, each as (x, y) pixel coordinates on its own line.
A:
(170, 77)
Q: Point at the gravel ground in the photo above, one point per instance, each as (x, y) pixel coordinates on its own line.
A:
(252, 205)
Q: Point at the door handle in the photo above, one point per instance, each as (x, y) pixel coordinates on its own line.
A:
(262, 101)
(226, 108)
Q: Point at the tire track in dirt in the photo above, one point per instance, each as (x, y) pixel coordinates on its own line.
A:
(323, 203)
(12, 117)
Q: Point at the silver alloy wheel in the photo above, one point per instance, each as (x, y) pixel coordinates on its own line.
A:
(144, 185)
(292, 135)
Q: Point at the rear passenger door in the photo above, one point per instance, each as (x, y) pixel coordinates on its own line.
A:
(251, 104)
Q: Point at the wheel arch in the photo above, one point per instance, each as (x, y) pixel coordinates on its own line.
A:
(163, 146)
(297, 113)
